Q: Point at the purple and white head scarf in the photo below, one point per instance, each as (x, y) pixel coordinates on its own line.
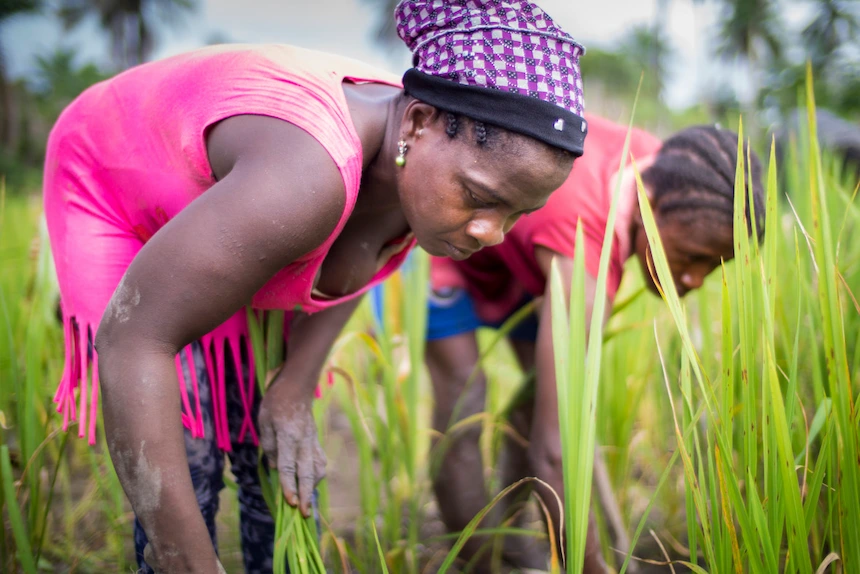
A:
(507, 48)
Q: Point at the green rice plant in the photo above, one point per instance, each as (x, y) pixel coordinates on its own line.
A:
(357, 401)
(577, 375)
(389, 422)
(839, 378)
(414, 313)
(695, 488)
(296, 539)
(746, 503)
(576, 411)
(383, 567)
(19, 530)
(380, 387)
(27, 361)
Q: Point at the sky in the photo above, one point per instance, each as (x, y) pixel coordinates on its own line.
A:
(347, 27)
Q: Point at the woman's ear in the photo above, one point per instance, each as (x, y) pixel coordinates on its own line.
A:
(417, 117)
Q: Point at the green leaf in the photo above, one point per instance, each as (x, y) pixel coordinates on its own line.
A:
(19, 530)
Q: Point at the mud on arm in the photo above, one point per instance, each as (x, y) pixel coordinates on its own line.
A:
(279, 196)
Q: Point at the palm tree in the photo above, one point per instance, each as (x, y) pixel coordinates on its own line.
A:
(58, 80)
(836, 23)
(128, 22)
(750, 30)
(8, 9)
(650, 51)
(750, 33)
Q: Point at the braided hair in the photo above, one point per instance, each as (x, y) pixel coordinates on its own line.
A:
(486, 135)
(695, 171)
(482, 131)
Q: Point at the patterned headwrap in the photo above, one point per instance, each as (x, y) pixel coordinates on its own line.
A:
(502, 62)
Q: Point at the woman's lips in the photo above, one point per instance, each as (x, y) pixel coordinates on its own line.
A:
(457, 253)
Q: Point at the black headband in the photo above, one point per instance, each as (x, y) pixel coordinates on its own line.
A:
(544, 121)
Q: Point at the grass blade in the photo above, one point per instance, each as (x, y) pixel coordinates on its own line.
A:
(19, 531)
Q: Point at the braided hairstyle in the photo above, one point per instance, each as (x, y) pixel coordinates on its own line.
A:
(695, 171)
(486, 135)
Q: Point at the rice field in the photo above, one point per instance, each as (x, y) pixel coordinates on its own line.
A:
(728, 421)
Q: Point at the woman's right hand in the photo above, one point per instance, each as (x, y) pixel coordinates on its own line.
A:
(288, 436)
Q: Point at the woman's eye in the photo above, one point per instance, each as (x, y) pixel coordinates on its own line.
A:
(476, 200)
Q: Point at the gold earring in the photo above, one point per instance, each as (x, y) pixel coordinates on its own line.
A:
(400, 160)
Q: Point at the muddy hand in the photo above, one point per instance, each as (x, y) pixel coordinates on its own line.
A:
(288, 435)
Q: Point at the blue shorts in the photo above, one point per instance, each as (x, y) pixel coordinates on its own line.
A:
(451, 311)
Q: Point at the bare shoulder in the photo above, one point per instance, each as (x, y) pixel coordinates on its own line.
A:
(278, 196)
(281, 167)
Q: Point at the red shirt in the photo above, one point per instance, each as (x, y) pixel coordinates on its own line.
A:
(500, 277)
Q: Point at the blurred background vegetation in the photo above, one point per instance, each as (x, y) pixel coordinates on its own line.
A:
(764, 51)
(754, 37)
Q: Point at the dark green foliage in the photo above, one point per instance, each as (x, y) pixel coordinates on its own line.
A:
(835, 25)
(751, 30)
(118, 17)
(59, 80)
(9, 8)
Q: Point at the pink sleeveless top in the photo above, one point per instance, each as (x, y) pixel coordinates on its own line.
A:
(131, 152)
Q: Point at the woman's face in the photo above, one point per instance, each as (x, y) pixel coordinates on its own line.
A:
(694, 247)
(459, 197)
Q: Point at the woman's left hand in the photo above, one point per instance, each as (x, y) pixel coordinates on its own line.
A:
(288, 435)
(288, 432)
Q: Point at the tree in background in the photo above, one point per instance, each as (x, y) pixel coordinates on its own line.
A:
(835, 26)
(831, 41)
(614, 72)
(386, 30)
(9, 9)
(833, 45)
(58, 81)
(129, 23)
(751, 33)
(648, 49)
(661, 47)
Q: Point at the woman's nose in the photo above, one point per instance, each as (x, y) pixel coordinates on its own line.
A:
(486, 231)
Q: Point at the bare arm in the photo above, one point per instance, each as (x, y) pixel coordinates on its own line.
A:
(278, 197)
